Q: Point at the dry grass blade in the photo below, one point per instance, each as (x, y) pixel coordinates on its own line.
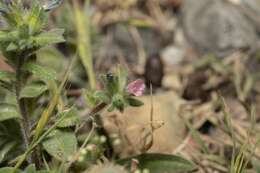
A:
(82, 23)
(53, 103)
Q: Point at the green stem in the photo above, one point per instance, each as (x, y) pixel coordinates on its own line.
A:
(25, 123)
(35, 143)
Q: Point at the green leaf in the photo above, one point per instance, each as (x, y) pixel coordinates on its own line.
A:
(36, 18)
(256, 165)
(6, 148)
(30, 169)
(118, 102)
(45, 171)
(102, 97)
(72, 118)
(11, 142)
(33, 90)
(11, 47)
(40, 72)
(61, 144)
(90, 98)
(134, 102)
(8, 75)
(159, 163)
(8, 111)
(111, 108)
(8, 170)
(51, 37)
(122, 79)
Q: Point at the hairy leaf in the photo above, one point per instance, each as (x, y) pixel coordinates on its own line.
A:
(51, 37)
(33, 90)
(61, 144)
(40, 72)
(37, 17)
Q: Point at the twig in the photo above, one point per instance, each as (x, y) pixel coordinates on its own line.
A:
(89, 115)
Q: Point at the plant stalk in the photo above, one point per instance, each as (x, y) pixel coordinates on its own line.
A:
(25, 123)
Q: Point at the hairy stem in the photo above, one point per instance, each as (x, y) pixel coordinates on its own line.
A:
(25, 123)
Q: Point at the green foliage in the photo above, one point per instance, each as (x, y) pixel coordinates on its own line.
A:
(40, 72)
(61, 144)
(51, 37)
(8, 111)
(24, 32)
(33, 90)
(21, 36)
(115, 92)
(8, 170)
(11, 144)
(51, 128)
(134, 102)
(72, 118)
(6, 75)
(158, 163)
(30, 169)
(5, 78)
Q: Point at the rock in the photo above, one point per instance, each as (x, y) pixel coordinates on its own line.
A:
(173, 55)
(134, 124)
(217, 27)
(252, 9)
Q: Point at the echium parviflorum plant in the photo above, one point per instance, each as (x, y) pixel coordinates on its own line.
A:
(30, 124)
(24, 31)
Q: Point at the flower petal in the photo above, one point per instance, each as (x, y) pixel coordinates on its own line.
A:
(136, 87)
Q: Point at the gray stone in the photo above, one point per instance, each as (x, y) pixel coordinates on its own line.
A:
(252, 9)
(217, 26)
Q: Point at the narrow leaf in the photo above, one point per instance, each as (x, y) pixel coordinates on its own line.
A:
(82, 24)
(158, 163)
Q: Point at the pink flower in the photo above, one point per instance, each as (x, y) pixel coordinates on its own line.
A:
(136, 87)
